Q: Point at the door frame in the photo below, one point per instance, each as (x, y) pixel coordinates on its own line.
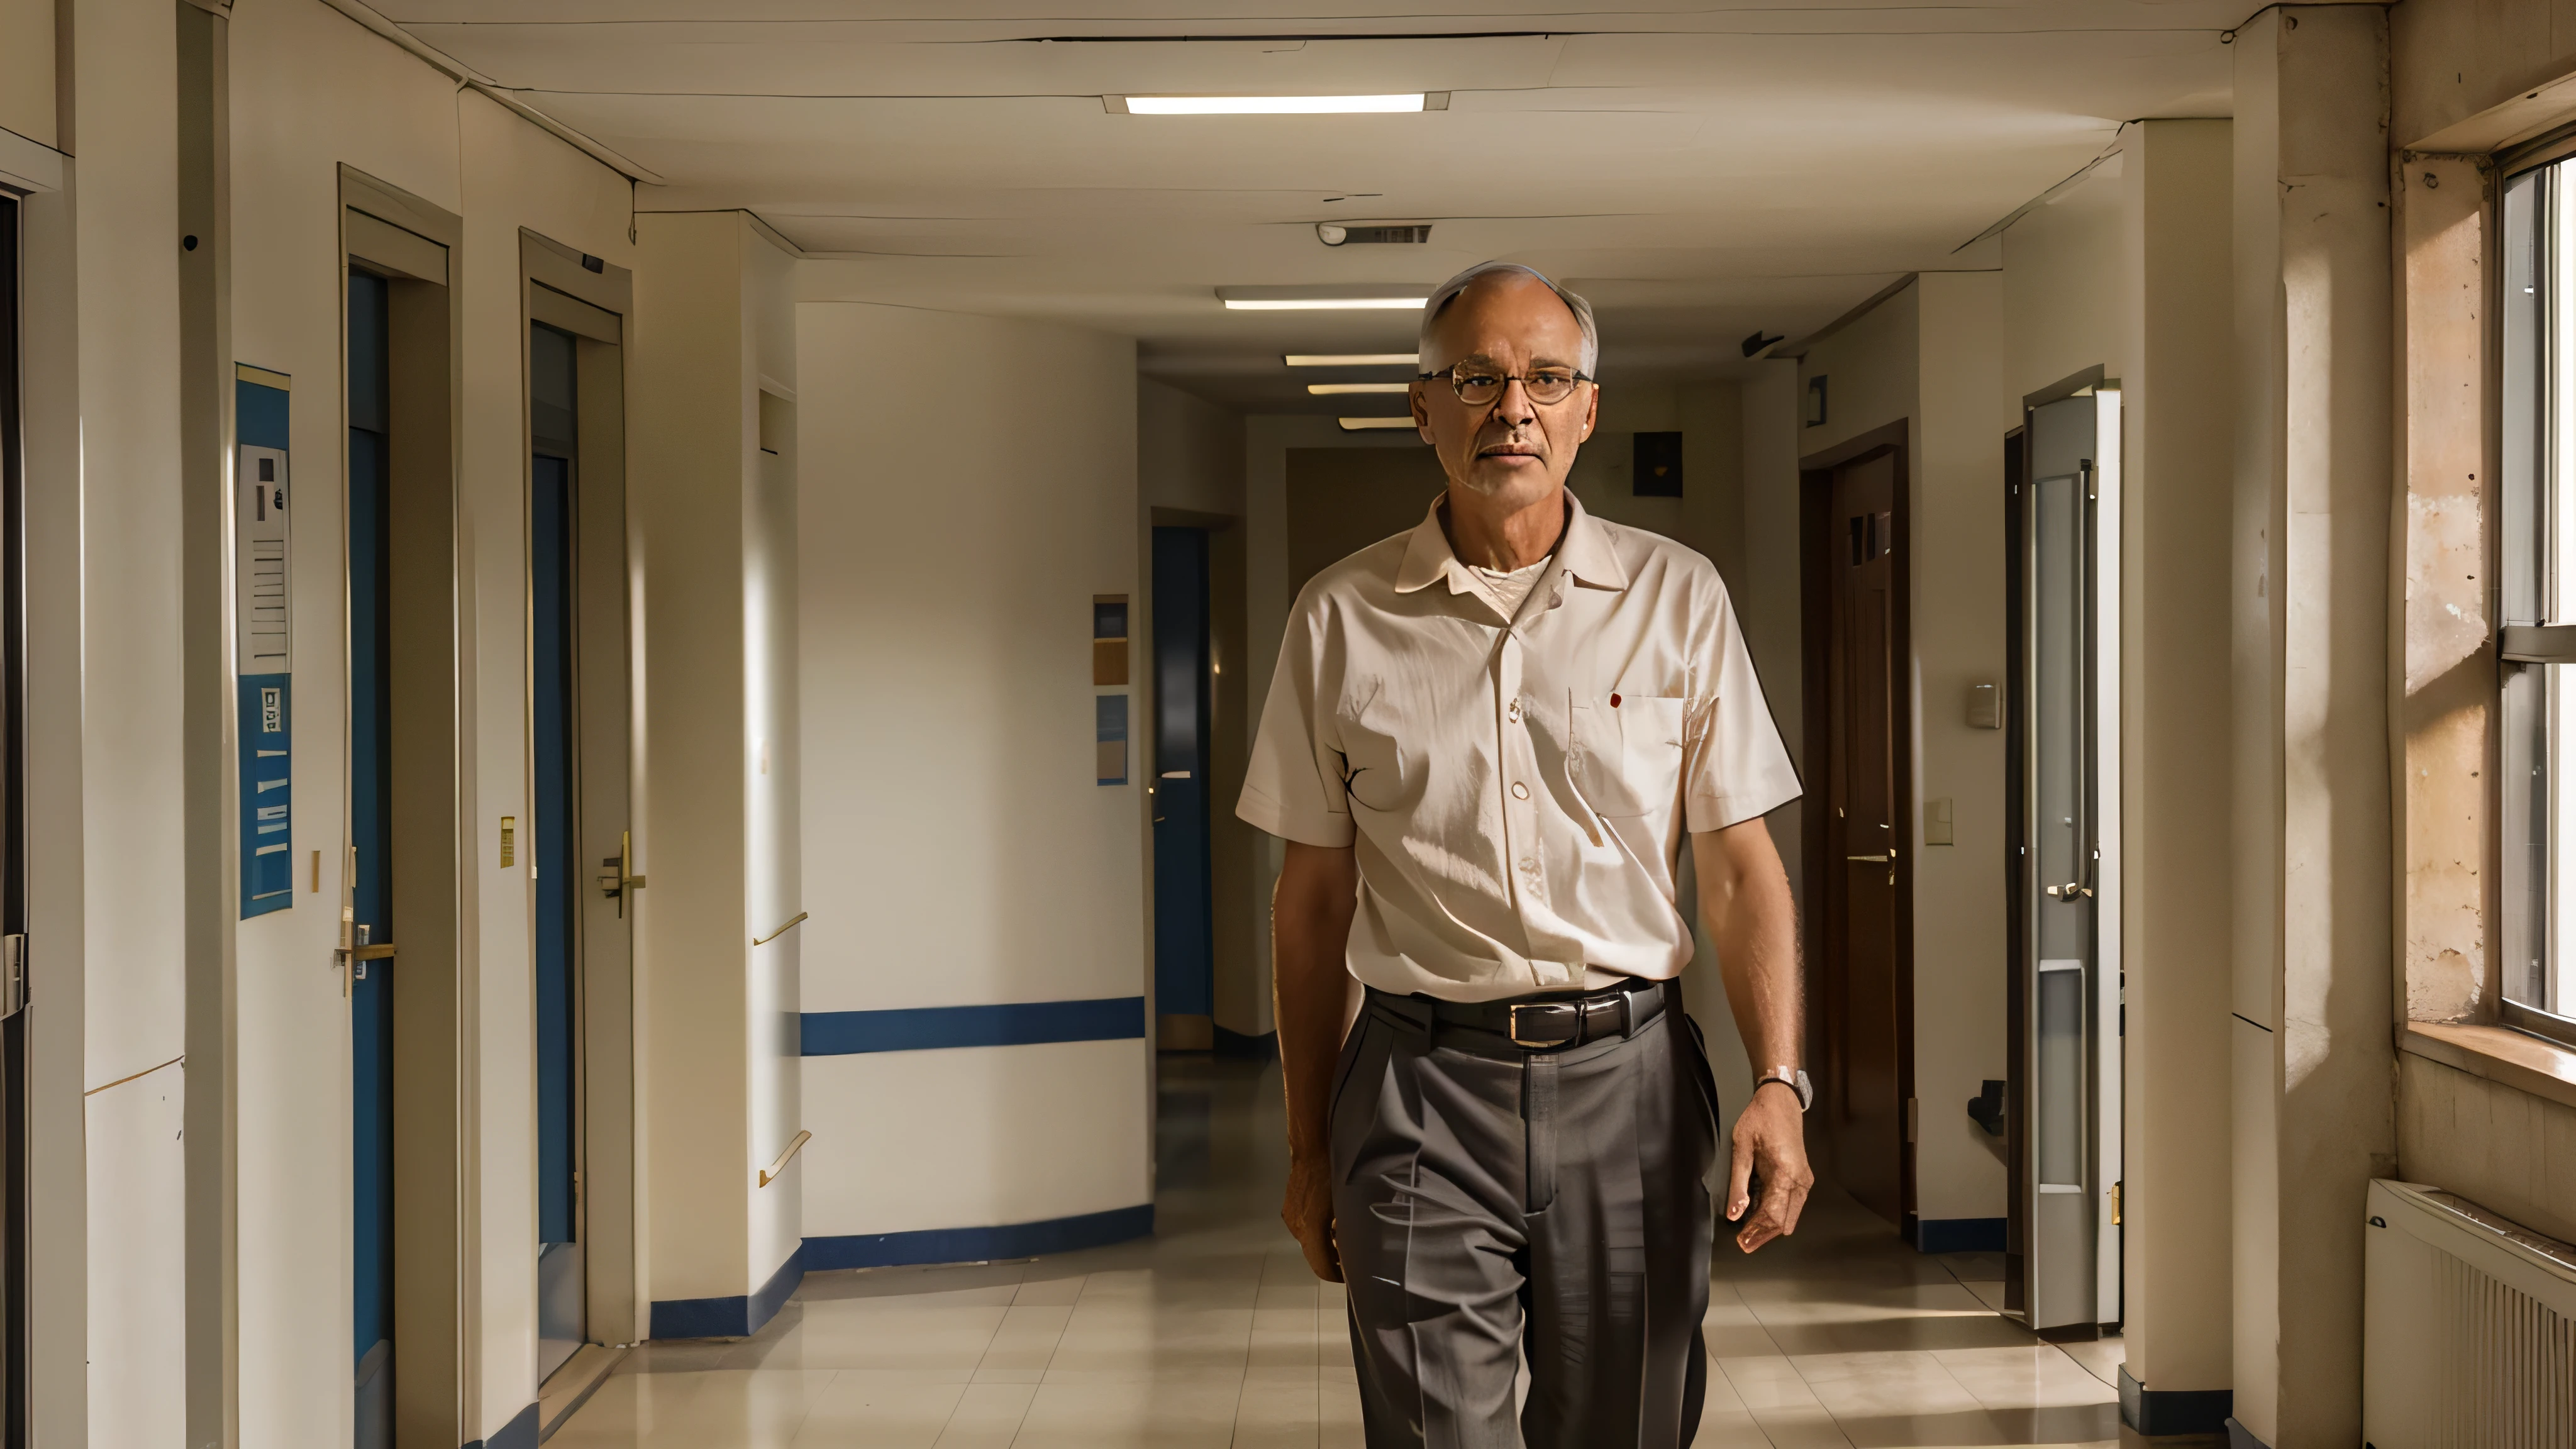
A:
(1815, 585)
(1237, 901)
(416, 246)
(559, 287)
(2105, 1127)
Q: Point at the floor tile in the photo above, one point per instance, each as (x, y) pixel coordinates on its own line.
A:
(1213, 1333)
(2101, 1358)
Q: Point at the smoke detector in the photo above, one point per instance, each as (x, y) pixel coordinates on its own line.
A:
(1334, 233)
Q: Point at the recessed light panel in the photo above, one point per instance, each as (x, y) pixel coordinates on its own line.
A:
(1325, 304)
(1327, 389)
(1276, 105)
(1351, 359)
(1369, 425)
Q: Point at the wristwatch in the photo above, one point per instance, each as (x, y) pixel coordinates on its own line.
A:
(1793, 1079)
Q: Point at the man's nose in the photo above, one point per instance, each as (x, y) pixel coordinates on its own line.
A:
(1514, 406)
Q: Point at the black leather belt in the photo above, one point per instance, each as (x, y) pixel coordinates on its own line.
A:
(1539, 1023)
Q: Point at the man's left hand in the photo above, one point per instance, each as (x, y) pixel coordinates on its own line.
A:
(1771, 1134)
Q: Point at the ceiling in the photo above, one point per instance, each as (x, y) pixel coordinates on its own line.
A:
(1699, 170)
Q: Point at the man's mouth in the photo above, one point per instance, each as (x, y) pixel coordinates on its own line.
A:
(1509, 450)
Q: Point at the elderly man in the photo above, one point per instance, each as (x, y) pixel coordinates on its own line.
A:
(1484, 743)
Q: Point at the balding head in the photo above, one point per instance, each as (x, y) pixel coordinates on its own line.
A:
(1491, 276)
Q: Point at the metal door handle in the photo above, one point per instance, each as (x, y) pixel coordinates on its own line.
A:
(13, 974)
(616, 884)
(1880, 859)
(2071, 890)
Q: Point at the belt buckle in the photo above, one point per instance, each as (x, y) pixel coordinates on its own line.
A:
(1568, 1015)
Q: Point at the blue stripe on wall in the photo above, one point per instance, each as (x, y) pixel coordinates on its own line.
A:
(742, 1315)
(1959, 1235)
(980, 1245)
(739, 1316)
(929, 1028)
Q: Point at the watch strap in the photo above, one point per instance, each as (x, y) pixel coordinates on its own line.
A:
(1791, 1078)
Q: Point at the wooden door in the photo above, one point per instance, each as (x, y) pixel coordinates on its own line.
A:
(1867, 976)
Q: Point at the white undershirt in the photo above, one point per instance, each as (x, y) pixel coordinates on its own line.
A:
(1507, 588)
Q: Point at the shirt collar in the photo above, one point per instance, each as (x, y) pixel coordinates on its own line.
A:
(1583, 550)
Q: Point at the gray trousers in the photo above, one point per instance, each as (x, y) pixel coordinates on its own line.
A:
(1489, 1200)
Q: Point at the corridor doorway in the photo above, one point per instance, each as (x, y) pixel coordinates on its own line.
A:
(1184, 936)
(1862, 921)
(403, 854)
(554, 842)
(579, 848)
(14, 1178)
(367, 934)
(2063, 1016)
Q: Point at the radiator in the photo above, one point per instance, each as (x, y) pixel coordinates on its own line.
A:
(2469, 1327)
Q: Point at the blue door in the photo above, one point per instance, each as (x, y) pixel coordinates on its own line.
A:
(1184, 941)
(555, 846)
(371, 1022)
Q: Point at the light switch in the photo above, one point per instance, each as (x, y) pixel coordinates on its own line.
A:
(1985, 709)
(1936, 822)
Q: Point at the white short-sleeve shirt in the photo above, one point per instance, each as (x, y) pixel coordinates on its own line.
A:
(1516, 788)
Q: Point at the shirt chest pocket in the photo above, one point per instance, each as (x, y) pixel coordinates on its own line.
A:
(1628, 752)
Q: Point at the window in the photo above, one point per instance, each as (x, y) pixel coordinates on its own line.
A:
(2536, 537)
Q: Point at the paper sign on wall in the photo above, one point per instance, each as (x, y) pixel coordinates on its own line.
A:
(263, 636)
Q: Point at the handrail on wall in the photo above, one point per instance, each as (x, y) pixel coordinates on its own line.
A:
(781, 931)
(772, 1172)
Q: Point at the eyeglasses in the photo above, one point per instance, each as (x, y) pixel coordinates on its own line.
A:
(1478, 384)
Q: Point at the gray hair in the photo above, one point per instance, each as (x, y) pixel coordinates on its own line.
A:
(1448, 293)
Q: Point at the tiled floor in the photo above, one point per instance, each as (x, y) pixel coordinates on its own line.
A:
(1214, 1334)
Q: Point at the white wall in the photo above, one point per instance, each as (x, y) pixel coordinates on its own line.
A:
(957, 849)
(1189, 451)
(711, 518)
(1960, 965)
(310, 90)
(131, 743)
(772, 759)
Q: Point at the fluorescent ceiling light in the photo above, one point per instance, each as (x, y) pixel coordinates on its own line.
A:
(1363, 425)
(1277, 105)
(1325, 304)
(1351, 359)
(1327, 389)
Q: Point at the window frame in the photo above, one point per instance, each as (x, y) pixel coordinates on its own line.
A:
(2530, 368)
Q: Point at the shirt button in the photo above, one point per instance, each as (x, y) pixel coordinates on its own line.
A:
(1519, 790)
(1515, 711)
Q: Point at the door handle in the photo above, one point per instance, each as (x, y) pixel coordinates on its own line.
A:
(617, 882)
(13, 974)
(2071, 890)
(1879, 859)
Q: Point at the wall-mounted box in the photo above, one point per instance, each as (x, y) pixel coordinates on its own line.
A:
(1985, 707)
(1109, 639)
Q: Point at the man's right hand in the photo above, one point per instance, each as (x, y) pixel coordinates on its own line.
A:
(1308, 1212)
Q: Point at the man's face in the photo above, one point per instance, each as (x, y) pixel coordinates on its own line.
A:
(1513, 450)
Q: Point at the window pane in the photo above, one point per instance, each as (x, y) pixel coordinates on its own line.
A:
(2524, 939)
(2537, 532)
(2521, 391)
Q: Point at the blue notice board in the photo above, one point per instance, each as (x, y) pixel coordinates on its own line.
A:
(263, 631)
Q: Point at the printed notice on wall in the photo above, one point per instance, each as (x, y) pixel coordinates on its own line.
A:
(263, 633)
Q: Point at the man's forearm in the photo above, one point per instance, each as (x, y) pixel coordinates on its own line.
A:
(1752, 921)
(1310, 922)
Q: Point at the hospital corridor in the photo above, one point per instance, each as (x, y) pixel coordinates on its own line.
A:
(1498, 724)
